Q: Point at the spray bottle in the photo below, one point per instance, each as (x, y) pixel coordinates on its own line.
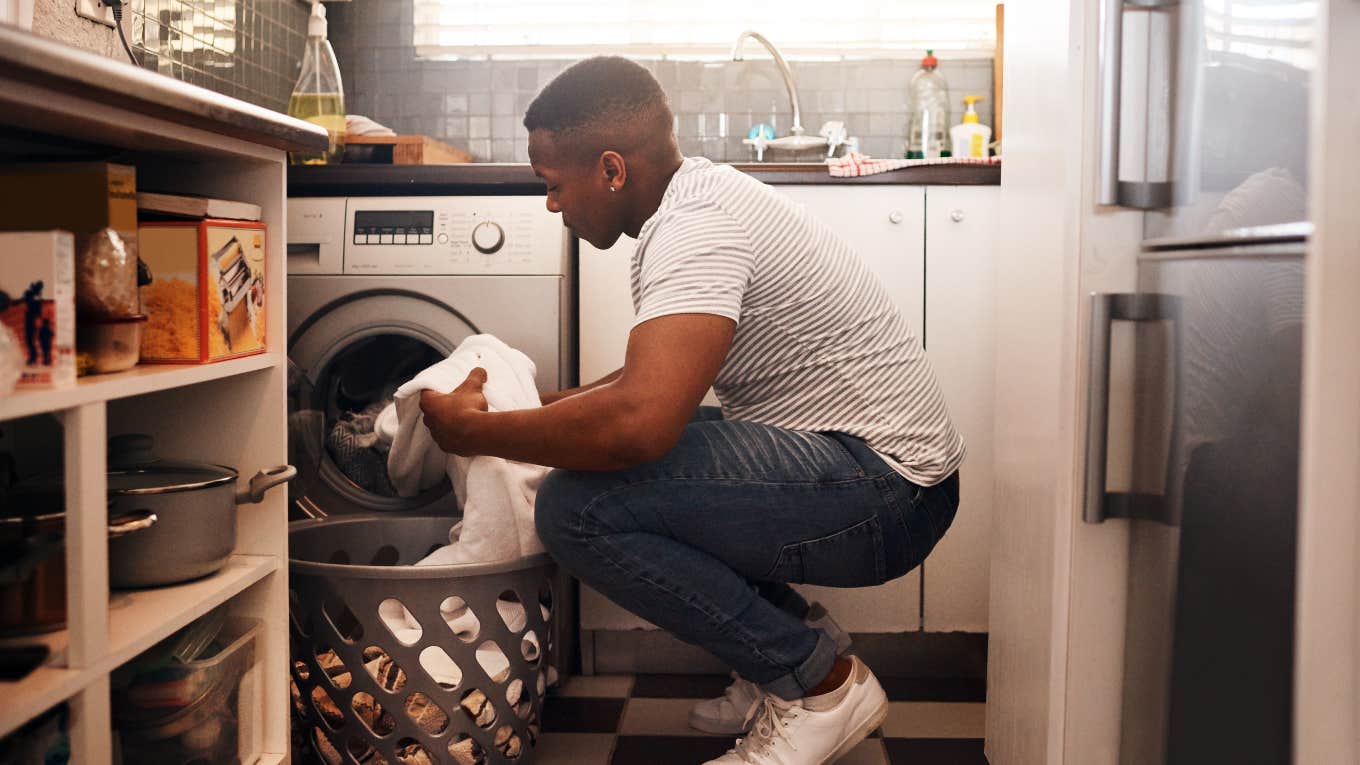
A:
(319, 96)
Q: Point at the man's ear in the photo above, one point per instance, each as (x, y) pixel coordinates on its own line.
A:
(615, 170)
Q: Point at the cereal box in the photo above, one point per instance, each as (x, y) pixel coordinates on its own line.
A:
(206, 300)
(37, 303)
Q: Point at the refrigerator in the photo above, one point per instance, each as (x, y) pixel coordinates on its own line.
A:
(1204, 126)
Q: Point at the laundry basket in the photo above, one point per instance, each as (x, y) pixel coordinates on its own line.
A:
(415, 665)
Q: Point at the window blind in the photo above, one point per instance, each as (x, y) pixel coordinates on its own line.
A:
(700, 29)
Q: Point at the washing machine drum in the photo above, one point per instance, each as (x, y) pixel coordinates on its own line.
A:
(345, 362)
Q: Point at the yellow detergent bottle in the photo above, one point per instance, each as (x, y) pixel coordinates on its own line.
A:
(970, 138)
(319, 96)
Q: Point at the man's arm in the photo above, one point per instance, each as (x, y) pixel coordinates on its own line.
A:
(549, 398)
(637, 417)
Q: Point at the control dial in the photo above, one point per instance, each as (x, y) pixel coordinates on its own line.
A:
(488, 237)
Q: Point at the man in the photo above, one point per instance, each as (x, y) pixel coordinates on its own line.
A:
(832, 461)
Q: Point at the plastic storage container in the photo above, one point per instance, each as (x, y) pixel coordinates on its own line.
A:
(197, 712)
(415, 664)
(112, 344)
(319, 95)
(928, 109)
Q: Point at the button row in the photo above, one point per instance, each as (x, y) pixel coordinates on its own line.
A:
(394, 239)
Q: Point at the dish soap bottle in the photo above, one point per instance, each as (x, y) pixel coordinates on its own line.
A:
(928, 101)
(971, 138)
(319, 96)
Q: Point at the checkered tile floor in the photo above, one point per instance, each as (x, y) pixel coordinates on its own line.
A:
(642, 720)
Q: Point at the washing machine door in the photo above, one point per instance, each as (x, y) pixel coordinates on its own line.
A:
(346, 360)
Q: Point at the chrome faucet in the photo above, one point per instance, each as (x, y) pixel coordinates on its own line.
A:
(797, 128)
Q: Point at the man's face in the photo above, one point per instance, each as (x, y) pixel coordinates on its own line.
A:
(578, 189)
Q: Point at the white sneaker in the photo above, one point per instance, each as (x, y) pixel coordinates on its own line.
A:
(789, 733)
(728, 715)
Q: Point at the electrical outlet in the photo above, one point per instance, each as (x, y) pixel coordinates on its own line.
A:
(95, 10)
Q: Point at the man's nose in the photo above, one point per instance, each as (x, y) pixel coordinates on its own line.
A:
(553, 206)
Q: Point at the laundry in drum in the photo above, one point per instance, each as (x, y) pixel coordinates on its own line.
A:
(352, 390)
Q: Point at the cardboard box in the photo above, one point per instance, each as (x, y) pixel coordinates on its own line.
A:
(81, 197)
(206, 300)
(37, 274)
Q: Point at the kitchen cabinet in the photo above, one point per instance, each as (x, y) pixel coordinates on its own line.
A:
(932, 247)
(960, 336)
(231, 413)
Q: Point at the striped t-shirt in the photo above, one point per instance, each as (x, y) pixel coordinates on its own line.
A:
(819, 346)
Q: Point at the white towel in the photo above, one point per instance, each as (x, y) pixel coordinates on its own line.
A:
(497, 495)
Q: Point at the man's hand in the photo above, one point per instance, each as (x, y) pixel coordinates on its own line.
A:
(447, 415)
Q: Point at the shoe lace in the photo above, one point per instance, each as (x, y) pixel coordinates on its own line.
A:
(771, 724)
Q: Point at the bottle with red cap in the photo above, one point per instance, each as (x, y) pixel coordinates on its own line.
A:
(928, 112)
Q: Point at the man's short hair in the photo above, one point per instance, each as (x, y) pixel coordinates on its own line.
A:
(605, 102)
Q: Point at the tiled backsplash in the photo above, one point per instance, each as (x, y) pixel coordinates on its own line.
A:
(250, 49)
(479, 105)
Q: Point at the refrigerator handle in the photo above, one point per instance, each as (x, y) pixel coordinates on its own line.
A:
(1138, 195)
(1111, 56)
(1106, 308)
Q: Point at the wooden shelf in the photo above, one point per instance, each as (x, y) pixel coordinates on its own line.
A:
(138, 619)
(145, 378)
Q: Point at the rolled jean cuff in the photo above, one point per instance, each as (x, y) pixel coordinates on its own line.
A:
(804, 677)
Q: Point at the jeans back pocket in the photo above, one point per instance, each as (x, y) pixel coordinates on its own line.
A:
(851, 557)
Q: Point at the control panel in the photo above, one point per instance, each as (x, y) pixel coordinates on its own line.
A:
(453, 236)
(404, 227)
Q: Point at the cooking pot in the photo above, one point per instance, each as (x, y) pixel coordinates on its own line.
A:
(195, 504)
(33, 568)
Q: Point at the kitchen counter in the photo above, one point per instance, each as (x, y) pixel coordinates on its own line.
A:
(29, 62)
(518, 178)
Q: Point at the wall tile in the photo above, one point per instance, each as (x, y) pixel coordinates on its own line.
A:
(456, 127)
(456, 104)
(480, 149)
(480, 104)
(506, 126)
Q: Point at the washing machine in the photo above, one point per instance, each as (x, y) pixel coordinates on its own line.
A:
(380, 288)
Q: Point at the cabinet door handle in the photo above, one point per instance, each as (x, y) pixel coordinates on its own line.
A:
(895, 216)
(956, 216)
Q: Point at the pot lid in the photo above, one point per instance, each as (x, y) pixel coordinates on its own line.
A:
(134, 468)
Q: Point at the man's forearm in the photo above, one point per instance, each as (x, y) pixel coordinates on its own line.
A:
(588, 430)
(551, 398)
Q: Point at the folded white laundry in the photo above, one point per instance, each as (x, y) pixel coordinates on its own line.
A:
(358, 124)
(497, 495)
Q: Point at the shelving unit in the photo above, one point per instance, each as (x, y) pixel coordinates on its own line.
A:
(59, 102)
(138, 619)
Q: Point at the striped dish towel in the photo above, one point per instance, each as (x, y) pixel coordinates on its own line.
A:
(854, 165)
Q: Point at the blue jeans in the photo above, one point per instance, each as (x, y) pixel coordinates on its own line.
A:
(704, 541)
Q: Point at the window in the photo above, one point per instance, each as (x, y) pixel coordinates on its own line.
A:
(700, 29)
